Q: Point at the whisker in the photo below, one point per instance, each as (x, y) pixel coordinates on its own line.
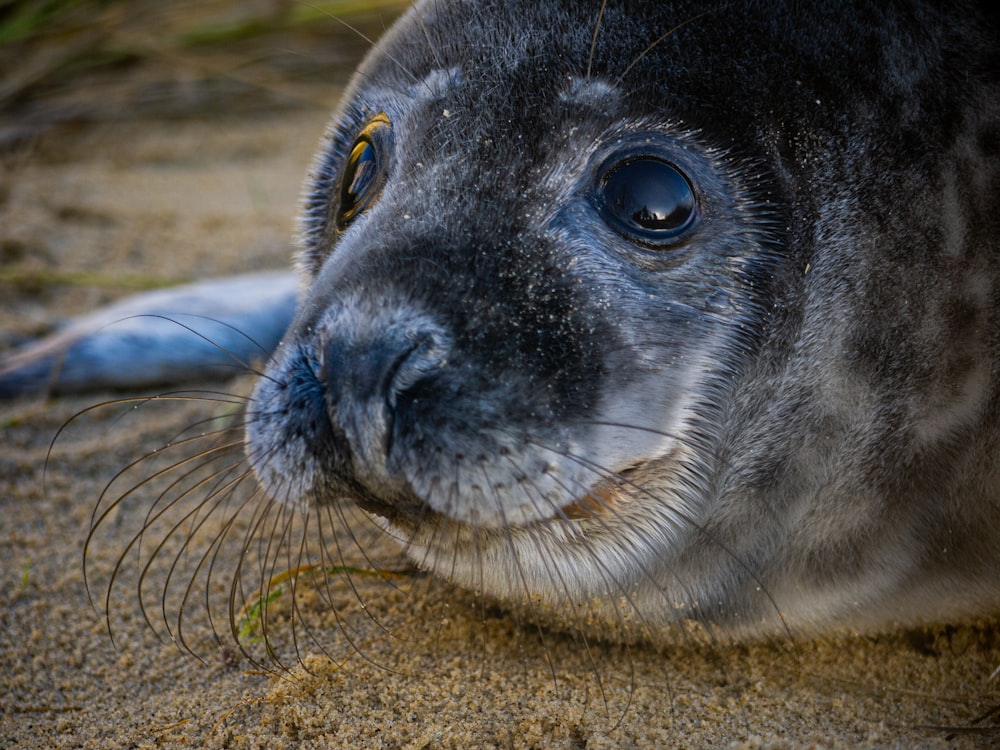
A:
(327, 592)
(97, 519)
(659, 40)
(269, 543)
(593, 38)
(216, 548)
(237, 362)
(512, 549)
(154, 515)
(679, 513)
(371, 42)
(574, 604)
(236, 588)
(434, 48)
(219, 498)
(135, 402)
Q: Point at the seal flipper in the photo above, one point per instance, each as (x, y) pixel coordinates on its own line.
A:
(199, 331)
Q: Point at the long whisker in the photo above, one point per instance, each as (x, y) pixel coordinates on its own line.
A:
(512, 549)
(151, 519)
(135, 402)
(237, 362)
(434, 48)
(219, 498)
(216, 548)
(371, 42)
(576, 606)
(682, 515)
(97, 519)
(659, 40)
(593, 38)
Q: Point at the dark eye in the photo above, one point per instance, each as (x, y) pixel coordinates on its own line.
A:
(647, 200)
(365, 171)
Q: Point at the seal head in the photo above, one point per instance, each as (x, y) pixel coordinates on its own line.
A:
(657, 314)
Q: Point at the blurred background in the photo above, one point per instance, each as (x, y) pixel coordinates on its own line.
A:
(145, 143)
(83, 60)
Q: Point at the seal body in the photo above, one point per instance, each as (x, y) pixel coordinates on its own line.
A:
(188, 333)
(677, 310)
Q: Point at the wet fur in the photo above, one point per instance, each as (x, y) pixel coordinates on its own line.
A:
(824, 455)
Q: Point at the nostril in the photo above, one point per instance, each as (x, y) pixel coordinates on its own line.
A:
(366, 374)
(425, 355)
(378, 370)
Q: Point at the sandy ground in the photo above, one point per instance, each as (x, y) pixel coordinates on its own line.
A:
(198, 196)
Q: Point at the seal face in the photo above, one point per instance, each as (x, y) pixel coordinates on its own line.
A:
(658, 314)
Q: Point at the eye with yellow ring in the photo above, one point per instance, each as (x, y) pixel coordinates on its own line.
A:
(364, 173)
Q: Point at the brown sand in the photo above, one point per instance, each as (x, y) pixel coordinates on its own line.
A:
(198, 197)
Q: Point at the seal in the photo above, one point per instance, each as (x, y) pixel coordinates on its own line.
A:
(679, 310)
(660, 311)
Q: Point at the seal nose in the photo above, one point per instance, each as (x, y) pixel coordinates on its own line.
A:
(367, 375)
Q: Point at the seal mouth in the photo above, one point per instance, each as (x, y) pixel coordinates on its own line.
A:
(603, 500)
(600, 502)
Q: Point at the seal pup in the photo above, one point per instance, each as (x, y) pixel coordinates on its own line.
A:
(696, 316)
(663, 312)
